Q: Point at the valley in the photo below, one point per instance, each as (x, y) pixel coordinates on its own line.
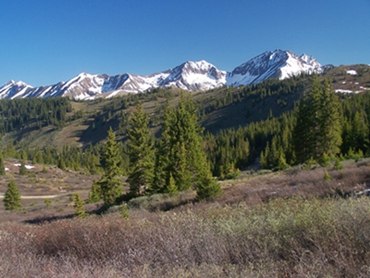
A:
(249, 201)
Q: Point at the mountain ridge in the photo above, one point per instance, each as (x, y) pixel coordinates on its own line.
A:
(190, 76)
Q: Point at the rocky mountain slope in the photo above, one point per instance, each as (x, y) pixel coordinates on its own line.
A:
(272, 64)
(190, 76)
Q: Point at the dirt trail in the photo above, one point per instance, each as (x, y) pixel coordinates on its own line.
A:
(40, 196)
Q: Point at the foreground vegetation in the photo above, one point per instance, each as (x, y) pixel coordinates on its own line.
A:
(286, 237)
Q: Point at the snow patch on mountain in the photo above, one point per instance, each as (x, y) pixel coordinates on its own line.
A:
(351, 72)
(195, 76)
(191, 76)
(14, 89)
(272, 64)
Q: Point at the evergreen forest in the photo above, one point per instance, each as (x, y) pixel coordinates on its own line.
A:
(167, 141)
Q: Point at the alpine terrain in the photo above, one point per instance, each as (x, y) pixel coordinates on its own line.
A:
(190, 76)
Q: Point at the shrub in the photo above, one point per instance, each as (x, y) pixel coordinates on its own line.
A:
(283, 238)
(327, 176)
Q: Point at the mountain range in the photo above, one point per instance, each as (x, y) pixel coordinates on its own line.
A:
(191, 76)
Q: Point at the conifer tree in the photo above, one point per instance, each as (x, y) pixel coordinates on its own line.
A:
(171, 186)
(110, 182)
(306, 132)
(359, 135)
(78, 205)
(281, 163)
(12, 197)
(95, 193)
(163, 158)
(318, 128)
(181, 155)
(330, 126)
(141, 153)
(22, 168)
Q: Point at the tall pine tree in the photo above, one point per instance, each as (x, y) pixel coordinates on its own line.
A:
(163, 178)
(110, 183)
(181, 156)
(141, 153)
(318, 128)
(330, 135)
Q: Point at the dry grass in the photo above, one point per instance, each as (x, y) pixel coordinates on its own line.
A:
(354, 177)
(295, 238)
(255, 229)
(40, 181)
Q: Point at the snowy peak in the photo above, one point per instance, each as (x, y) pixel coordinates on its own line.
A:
(195, 76)
(191, 76)
(83, 86)
(272, 64)
(14, 89)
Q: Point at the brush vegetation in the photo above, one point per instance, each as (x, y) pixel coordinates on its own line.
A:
(286, 237)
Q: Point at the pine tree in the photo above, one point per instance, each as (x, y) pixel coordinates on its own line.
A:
(205, 185)
(330, 126)
(78, 205)
(22, 168)
(12, 197)
(306, 131)
(263, 157)
(181, 153)
(318, 128)
(163, 158)
(110, 183)
(359, 131)
(2, 167)
(141, 153)
(171, 186)
(281, 163)
(95, 193)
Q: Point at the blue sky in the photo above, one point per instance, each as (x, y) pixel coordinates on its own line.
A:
(45, 41)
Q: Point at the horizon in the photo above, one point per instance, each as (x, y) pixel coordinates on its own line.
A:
(54, 41)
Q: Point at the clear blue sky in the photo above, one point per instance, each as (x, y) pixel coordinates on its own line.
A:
(45, 41)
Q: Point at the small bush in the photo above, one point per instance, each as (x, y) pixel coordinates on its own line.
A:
(157, 202)
(327, 176)
(124, 211)
(338, 164)
(47, 203)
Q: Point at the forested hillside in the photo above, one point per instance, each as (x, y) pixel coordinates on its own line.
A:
(251, 126)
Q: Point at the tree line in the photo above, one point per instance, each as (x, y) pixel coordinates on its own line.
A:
(322, 126)
(18, 114)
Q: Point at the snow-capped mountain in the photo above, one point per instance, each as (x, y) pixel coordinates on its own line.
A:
(272, 64)
(190, 76)
(195, 76)
(14, 89)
